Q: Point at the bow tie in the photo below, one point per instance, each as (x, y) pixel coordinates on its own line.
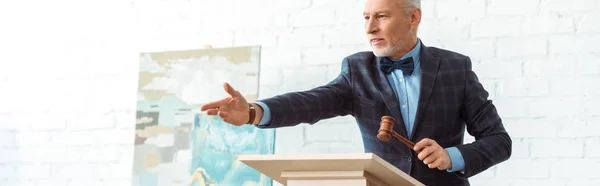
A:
(406, 65)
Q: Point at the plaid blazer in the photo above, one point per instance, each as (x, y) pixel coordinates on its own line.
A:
(451, 98)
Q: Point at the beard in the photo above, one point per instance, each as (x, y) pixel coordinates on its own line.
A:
(388, 50)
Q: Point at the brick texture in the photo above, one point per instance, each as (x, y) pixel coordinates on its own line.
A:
(68, 77)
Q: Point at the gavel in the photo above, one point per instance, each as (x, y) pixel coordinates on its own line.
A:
(386, 132)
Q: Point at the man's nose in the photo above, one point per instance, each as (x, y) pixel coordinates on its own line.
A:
(371, 27)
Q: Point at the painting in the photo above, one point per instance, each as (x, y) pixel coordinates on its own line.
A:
(175, 143)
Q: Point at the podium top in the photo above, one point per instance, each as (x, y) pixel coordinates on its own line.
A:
(273, 165)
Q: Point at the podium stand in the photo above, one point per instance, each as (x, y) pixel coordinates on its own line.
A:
(365, 169)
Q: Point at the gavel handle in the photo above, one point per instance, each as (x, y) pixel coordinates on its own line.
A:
(404, 140)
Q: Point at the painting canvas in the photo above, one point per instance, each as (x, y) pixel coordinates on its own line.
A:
(175, 143)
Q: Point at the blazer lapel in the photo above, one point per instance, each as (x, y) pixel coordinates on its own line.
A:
(429, 68)
(389, 97)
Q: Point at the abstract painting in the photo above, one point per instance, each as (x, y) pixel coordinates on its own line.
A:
(175, 143)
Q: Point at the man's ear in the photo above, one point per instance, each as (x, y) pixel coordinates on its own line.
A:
(415, 18)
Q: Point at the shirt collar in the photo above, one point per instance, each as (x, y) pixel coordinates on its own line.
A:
(414, 53)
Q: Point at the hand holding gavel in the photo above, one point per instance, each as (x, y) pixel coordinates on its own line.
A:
(428, 150)
(386, 131)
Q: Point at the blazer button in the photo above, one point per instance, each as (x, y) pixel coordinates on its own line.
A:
(409, 159)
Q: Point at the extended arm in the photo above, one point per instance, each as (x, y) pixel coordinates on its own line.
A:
(492, 143)
(327, 101)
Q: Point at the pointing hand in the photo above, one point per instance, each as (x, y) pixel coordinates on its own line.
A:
(233, 109)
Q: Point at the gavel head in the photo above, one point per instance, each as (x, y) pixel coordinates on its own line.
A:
(385, 129)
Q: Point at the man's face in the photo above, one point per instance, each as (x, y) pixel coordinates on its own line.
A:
(389, 27)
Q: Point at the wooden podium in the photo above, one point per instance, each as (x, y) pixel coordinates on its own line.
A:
(365, 169)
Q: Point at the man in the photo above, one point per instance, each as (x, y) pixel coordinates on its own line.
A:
(431, 93)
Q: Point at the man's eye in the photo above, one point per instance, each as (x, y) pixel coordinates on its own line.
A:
(366, 17)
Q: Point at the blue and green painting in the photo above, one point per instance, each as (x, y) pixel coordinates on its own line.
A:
(175, 143)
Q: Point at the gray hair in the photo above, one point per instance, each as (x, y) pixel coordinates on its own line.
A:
(410, 5)
(413, 3)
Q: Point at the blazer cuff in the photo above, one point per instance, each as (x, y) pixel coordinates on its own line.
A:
(266, 118)
(458, 162)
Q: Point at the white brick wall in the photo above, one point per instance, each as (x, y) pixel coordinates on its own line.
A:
(68, 77)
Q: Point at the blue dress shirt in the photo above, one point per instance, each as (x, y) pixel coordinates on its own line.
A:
(407, 91)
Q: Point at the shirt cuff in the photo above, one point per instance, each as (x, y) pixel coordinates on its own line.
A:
(458, 162)
(266, 118)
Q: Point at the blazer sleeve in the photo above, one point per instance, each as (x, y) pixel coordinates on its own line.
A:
(323, 102)
(492, 143)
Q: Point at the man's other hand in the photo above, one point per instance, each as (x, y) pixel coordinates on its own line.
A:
(432, 154)
(233, 109)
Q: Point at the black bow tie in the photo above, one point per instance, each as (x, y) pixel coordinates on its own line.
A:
(406, 65)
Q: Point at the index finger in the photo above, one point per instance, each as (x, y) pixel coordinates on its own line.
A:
(212, 105)
(422, 144)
